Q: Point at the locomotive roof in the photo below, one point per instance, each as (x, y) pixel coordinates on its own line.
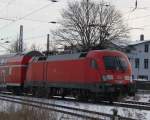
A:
(73, 56)
(67, 56)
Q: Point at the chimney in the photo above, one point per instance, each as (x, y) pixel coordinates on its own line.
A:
(141, 37)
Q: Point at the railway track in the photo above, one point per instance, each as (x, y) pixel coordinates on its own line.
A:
(133, 104)
(81, 113)
(125, 104)
(143, 91)
(138, 103)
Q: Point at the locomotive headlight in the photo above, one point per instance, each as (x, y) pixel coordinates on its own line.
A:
(107, 77)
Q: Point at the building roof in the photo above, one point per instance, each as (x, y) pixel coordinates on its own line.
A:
(137, 42)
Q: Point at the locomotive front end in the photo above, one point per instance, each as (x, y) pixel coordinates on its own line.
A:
(116, 76)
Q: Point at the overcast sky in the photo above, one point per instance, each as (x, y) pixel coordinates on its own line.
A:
(34, 15)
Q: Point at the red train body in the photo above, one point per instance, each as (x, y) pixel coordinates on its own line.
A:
(13, 69)
(97, 73)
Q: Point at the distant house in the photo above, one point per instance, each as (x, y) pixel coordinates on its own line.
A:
(139, 55)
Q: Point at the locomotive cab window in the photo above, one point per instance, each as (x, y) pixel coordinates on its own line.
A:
(115, 63)
(93, 64)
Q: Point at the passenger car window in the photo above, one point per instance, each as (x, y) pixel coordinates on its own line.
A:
(94, 64)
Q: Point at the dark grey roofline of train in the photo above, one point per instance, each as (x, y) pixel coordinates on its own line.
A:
(73, 56)
(61, 57)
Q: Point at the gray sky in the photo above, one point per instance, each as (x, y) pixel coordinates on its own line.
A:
(35, 15)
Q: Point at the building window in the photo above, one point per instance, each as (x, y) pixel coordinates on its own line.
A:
(146, 63)
(146, 47)
(137, 63)
(143, 77)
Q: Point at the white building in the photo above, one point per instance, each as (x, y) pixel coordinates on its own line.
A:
(139, 56)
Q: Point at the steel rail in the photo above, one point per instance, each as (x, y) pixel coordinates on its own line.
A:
(53, 108)
(60, 108)
(137, 103)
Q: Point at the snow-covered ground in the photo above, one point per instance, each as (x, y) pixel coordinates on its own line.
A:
(126, 112)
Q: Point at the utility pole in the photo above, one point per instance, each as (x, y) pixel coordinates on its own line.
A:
(21, 39)
(47, 44)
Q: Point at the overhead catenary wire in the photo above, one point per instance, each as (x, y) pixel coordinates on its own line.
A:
(27, 38)
(4, 47)
(34, 20)
(7, 19)
(141, 17)
(44, 35)
(8, 3)
(28, 14)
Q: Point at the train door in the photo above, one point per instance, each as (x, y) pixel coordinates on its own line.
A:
(93, 71)
(45, 72)
(44, 86)
(42, 63)
(2, 79)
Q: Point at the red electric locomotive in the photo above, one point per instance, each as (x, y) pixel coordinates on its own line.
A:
(96, 74)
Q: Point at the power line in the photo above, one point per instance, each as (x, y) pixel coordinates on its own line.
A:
(35, 20)
(142, 17)
(145, 26)
(8, 19)
(8, 3)
(34, 11)
(34, 37)
(27, 38)
(4, 47)
(30, 13)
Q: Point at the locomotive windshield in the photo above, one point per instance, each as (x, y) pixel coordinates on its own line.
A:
(115, 63)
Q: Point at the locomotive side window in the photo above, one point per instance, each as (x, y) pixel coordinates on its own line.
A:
(94, 64)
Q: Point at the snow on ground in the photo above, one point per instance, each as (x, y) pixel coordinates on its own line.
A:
(143, 97)
(126, 112)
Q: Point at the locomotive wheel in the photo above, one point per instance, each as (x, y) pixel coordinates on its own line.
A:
(51, 92)
(42, 92)
(17, 91)
(63, 92)
(81, 95)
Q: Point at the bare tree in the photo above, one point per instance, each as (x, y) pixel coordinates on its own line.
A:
(89, 25)
(14, 47)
